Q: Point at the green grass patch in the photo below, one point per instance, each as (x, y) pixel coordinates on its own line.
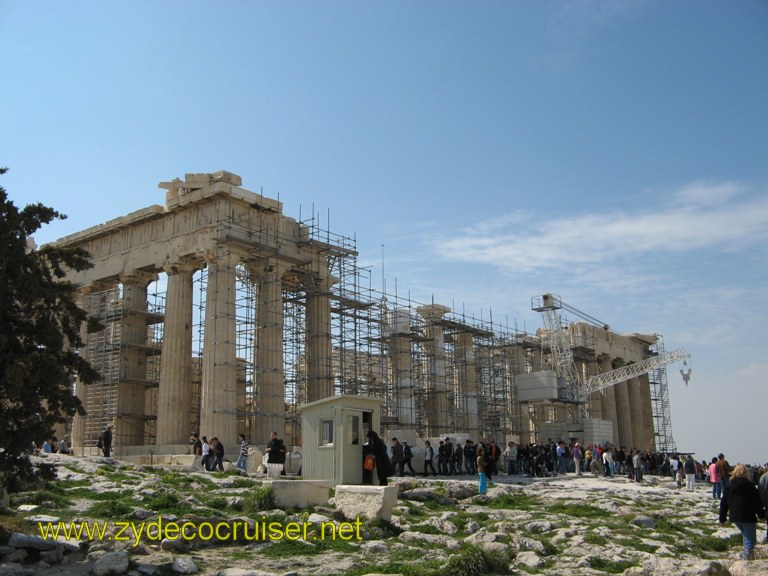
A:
(382, 529)
(474, 561)
(241, 554)
(68, 484)
(426, 529)
(517, 500)
(713, 544)
(109, 509)
(596, 539)
(428, 568)
(610, 566)
(215, 502)
(578, 510)
(88, 494)
(637, 544)
(177, 480)
(288, 548)
(259, 499)
(243, 483)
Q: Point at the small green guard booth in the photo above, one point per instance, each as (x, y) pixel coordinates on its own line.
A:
(333, 433)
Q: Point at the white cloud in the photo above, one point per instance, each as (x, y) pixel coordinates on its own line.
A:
(715, 217)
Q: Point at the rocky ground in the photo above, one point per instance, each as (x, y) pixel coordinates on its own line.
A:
(554, 526)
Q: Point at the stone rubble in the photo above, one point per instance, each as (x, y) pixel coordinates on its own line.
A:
(429, 518)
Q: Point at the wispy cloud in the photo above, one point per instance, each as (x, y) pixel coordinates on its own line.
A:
(716, 217)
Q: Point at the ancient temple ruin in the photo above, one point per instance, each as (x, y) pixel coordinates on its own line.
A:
(222, 315)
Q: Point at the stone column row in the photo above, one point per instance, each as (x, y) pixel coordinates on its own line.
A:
(218, 394)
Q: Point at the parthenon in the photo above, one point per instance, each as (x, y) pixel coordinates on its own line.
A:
(222, 315)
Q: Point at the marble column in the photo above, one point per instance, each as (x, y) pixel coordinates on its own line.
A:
(269, 370)
(624, 412)
(608, 399)
(174, 403)
(78, 421)
(218, 394)
(467, 368)
(437, 395)
(399, 345)
(648, 438)
(131, 391)
(636, 410)
(319, 373)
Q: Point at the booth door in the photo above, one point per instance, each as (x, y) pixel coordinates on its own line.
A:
(351, 452)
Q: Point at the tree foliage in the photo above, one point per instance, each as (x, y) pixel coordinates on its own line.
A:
(39, 333)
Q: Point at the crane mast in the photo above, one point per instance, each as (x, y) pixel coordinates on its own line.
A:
(573, 388)
(560, 344)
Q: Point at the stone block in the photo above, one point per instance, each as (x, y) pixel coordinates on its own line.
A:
(300, 493)
(369, 501)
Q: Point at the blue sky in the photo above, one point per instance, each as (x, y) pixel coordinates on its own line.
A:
(614, 153)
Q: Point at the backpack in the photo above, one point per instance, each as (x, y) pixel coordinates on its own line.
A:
(100, 441)
(407, 452)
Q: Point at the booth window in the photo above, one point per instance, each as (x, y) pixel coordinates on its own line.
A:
(353, 430)
(326, 432)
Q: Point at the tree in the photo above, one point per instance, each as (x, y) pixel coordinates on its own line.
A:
(39, 333)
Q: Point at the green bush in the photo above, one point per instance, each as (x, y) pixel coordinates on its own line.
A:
(610, 566)
(259, 499)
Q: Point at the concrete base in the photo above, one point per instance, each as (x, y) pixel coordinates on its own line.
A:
(300, 493)
(369, 501)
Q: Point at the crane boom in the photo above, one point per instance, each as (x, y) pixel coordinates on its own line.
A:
(613, 377)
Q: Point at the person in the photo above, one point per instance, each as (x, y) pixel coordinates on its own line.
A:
(218, 454)
(576, 454)
(470, 457)
(714, 479)
(447, 457)
(689, 467)
(197, 445)
(407, 457)
(494, 453)
(762, 489)
(674, 465)
(106, 441)
(741, 505)
(276, 451)
(397, 456)
(608, 461)
(64, 445)
(637, 464)
(379, 450)
(510, 453)
(561, 451)
(205, 451)
(441, 458)
(242, 459)
(47, 446)
(480, 466)
(458, 458)
(679, 477)
(429, 455)
(723, 471)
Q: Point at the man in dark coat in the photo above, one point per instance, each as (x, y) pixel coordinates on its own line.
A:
(106, 441)
(379, 450)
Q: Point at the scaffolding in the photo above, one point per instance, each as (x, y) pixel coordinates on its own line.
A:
(380, 344)
(103, 349)
(662, 419)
